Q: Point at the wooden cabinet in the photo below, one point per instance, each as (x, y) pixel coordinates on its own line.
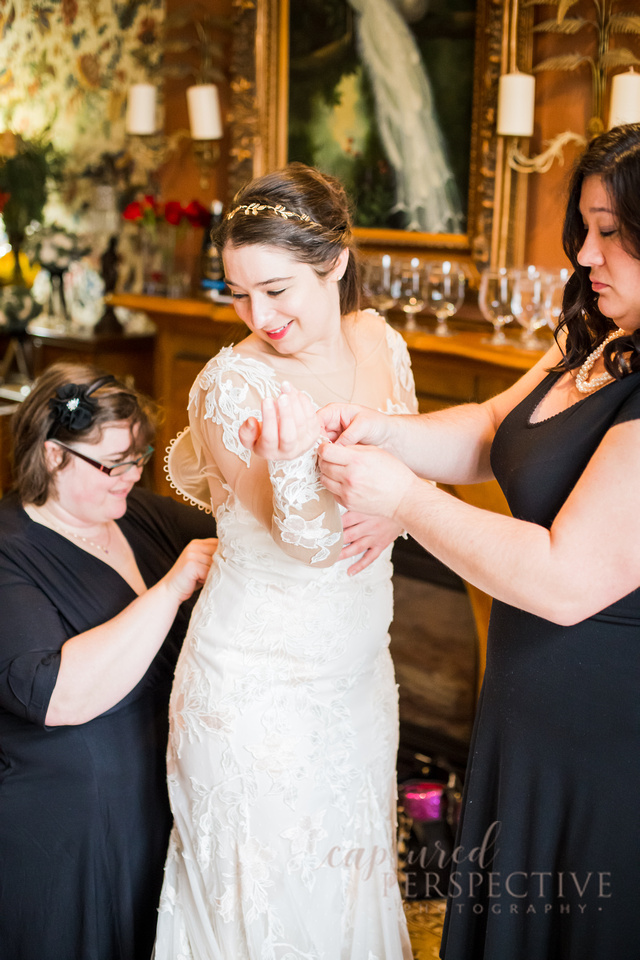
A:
(463, 368)
(127, 356)
(6, 410)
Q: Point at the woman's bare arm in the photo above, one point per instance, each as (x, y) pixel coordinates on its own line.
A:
(99, 667)
(587, 560)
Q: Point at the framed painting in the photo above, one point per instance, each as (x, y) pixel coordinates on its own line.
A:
(396, 97)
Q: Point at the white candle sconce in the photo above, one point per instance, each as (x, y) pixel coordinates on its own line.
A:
(516, 94)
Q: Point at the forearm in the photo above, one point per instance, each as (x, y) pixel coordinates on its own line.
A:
(99, 667)
(517, 562)
(449, 446)
(306, 520)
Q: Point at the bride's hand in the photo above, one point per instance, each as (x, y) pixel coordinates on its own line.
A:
(290, 426)
(366, 535)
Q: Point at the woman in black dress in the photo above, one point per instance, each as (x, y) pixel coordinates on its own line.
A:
(95, 581)
(550, 835)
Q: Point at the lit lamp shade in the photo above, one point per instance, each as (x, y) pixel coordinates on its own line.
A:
(625, 99)
(141, 109)
(516, 100)
(204, 112)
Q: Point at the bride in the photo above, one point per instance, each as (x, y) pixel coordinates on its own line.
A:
(281, 759)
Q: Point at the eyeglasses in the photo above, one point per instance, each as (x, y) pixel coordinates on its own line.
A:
(117, 469)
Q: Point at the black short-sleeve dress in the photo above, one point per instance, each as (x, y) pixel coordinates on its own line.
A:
(549, 843)
(84, 814)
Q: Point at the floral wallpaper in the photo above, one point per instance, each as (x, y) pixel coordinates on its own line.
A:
(65, 66)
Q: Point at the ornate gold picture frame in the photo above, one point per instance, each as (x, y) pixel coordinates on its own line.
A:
(258, 123)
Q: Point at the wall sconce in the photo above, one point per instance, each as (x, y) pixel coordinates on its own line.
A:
(516, 100)
(204, 122)
(516, 93)
(625, 98)
(206, 126)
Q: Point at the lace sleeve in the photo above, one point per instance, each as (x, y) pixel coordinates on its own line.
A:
(287, 497)
(404, 387)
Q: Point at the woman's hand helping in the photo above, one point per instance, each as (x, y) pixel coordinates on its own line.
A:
(190, 570)
(360, 475)
(365, 479)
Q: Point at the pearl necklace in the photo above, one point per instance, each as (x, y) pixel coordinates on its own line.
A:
(78, 536)
(66, 532)
(583, 384)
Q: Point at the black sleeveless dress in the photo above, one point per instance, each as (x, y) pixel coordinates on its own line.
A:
(549, 843)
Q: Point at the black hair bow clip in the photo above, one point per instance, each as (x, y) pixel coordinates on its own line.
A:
(72, 406)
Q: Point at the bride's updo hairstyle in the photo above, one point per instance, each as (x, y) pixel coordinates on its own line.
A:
(615, 158)
(303, 212)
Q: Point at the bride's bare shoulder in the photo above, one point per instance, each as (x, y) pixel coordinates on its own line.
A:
(251, 346)
(366, 326)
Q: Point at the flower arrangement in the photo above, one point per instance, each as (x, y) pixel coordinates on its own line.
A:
(160, 227)
(27, 169)
(150, 212)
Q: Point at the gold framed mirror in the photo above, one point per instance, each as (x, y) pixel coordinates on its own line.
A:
(259, 123)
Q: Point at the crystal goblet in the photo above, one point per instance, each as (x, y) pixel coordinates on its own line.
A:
(528, 306)
(407, 286)
(376, 284)
(444, 292)
(494, 300)
(554, 293)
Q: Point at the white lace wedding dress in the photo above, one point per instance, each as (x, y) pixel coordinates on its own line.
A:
(281, 760)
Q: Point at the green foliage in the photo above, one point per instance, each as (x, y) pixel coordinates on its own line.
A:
(27, 169)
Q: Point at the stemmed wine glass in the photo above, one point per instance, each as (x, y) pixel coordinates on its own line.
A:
(444, 292)
(554, 292)
(376, 284)
(407, 287)
(494, 300)
(528, 306)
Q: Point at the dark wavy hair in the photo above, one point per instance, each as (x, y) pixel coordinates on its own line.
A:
(34, 419)
(615, 158)
(303, 190)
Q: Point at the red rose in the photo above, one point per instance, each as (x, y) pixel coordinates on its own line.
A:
(133, 211)
(173, 212)
(196, 214)
(150, 204)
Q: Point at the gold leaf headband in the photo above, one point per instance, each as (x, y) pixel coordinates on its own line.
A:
(253, 209)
